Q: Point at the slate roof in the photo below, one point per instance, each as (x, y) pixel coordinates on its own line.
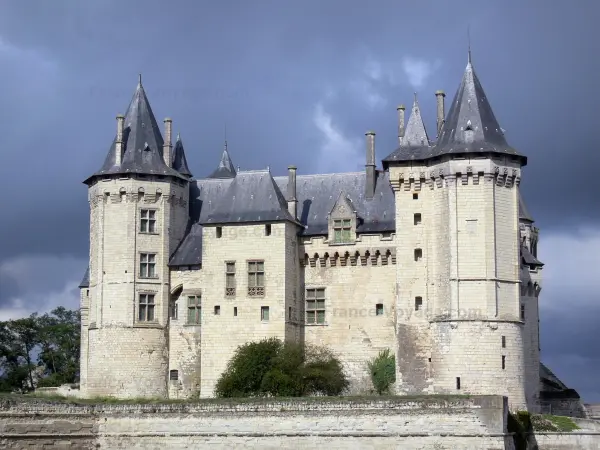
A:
(470, 127)
(85, 282)
(179, 161)
(225, 169)
(548, 377)
(528, 257)
(252, 196)
(523, 211)
(189, 252)
(143, 143)
(316, 195)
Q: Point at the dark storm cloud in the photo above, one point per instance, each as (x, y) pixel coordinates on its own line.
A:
(262, 68)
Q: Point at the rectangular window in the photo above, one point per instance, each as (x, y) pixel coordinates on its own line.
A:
(342, 231)
(219, 232)
(418, 254)
(146, 308)
(458, 383)
(418, 303)
(315, 306)
(230, 279)
(173, 375)
(235, 311)
(523, 313)
(415, 196)
(173, 310)
(503, 341)
(379, 309)
(264, 313)
(289, 313)
(256, 278)
(194, 310)
(217, 310)
(503, 362)
(417, 219)
(268, 229)
(148, 221)
(147, 265)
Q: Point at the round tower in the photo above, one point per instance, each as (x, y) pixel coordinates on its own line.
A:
(460, 325)
(138, 215)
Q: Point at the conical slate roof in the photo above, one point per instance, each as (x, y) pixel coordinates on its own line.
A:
(179, 161)
(143, 143)
(523, 211)
(415, 140)
(252, 196)
(225, 169)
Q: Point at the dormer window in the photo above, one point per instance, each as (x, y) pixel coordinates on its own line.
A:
(342, 222)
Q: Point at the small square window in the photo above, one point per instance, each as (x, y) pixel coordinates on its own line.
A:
(418, 303)
(173, 375)
(268, 229)
(379, 309)
(418, 254)
(219, 232)
(264, 313)
(415, 196)
(217, 310)
(417, 219)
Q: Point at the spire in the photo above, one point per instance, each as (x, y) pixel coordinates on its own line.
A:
(471, 125)
(225, 169)
(415, 134)
(524, 214)
(179, 161)
(142, 145)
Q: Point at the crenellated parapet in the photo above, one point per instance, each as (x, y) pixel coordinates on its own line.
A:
(140, 195)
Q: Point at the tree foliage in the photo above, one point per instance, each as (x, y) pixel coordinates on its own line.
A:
(273, 368)
(39, 351)
(382, 369)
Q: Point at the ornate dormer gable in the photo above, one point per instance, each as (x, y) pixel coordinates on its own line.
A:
(342, 221)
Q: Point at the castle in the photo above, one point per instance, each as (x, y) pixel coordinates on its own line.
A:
(433, 256)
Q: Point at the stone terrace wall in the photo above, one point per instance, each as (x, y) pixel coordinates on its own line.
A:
(408, 423)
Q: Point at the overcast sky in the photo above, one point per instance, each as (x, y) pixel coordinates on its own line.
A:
(297, 83)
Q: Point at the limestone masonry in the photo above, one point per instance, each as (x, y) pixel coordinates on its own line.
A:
(433, 256)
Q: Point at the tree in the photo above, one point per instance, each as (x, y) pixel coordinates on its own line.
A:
(383, 371)
(273, 368)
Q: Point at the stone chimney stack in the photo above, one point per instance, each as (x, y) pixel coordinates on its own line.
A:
(167, 147)
(441, 114)
(370, 166)
(292, 201)
(400, 109)
(119, 144)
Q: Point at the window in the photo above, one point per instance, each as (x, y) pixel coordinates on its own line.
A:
(235, 311)
(268, 229)
(87, 292)
(503, 362)
(458, 383)
(417, 219)
(217, 310)
(415, 196)
(379, 309)
(147, 265)
(315, 306)
(264, 313)
(418, 303)
(342, 230)
(173, 310)
(148, 221)
(219, 232)
(289, 313)
(146, 308)
(418, 254)
(503, 341)
(194, 310)
(173, 375)
(230, 279)
(523, 313)
(256, 278)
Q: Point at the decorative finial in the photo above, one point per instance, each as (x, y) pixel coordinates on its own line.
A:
(225, 137)
(140, 80)
(469, 42)
(178, 137)
(415, 97)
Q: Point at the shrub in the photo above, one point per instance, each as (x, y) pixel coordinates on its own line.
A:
(272, 368)
(383, 371)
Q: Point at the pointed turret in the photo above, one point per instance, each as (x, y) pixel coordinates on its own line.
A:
(471, 126)
(140, 145)
(179, 160)
(225, 169)
(524, 214)
(415, 134)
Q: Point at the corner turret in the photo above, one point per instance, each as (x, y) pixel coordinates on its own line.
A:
(225, 168)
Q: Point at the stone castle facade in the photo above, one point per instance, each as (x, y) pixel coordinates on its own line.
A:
(433, 256)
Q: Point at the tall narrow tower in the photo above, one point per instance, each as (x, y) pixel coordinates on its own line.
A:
(138, 215)
(460, 328)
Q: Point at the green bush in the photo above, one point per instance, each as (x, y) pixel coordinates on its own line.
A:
(383, 371)
(272, 368)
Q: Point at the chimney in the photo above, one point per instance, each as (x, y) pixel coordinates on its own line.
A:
(291, 191)
(119, 144)
(440, 111)
(167, 147)
(370, 166)
(400, 109)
